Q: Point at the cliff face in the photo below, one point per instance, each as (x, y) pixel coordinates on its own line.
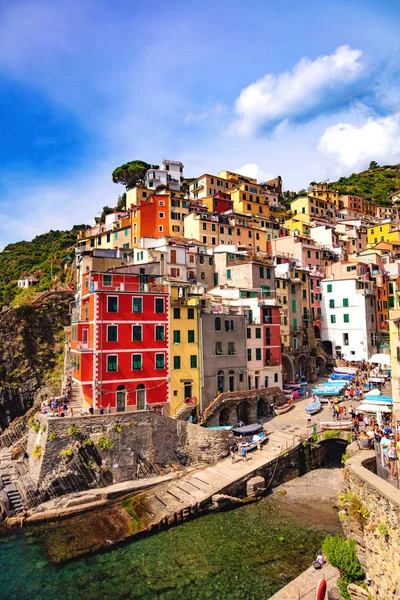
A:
(31, 348)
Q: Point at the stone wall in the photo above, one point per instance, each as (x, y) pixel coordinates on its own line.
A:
(140, 444)
(229, 407)
(371, 516)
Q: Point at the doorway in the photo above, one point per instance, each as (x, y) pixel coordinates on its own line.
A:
(121, 398)
(140, 397)
(231, 381)
(187, 391)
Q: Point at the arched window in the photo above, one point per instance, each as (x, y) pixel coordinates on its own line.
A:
(140, 397)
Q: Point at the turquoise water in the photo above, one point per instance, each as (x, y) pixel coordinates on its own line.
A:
(246, 554)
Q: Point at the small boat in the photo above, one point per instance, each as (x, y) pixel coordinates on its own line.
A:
(341, 376)
(320, 591)
(314, 407)
(247, 430)
(279, 410)
(258, 438)
(347, 370)
(345, 425)
(292, 385)
(288, 395)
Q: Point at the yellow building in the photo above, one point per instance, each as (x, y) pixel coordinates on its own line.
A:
(184, 347)
(298, 225)
(113, 237)
(307, 208)
(386, 232)
(321, 191)
(249, 198)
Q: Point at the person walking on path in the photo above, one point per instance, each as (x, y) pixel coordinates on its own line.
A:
(244, 454)
(232, 453)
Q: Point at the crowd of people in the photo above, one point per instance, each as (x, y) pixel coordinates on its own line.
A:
(59, 407)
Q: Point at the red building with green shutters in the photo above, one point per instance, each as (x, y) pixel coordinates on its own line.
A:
(119, 340)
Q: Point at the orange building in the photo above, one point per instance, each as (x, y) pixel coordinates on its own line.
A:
(151, 218)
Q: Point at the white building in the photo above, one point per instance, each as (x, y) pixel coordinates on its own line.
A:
(170, 174)
(349, 318)
(27, 281)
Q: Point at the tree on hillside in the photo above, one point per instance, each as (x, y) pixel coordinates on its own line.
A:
(373, 164)
(106, 211)
(132, 173)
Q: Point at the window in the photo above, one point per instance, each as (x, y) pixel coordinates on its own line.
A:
(262, 272)
(333, 318)
(249, 354)
(137, 305)
(177, 362)
(112, 362)
(136, 333)
(346, 318)
(112, 304)
(217, 323)
(258, 332)
(191, 336)
(258, 353)
(161, 215)
(345, 302)
(228, 274)
(294, 306)
(331, 304)
(213, 227)
(136, 362)
(177, 313)
(218, 348)
(159, 305)
(160, 333)
(294, 324)
(204, 226)
(177, 336)
(112, 333)
(107, 280)
(160, 361)
(248, 333)
(190, 313)
(230, 325)
(329, 287)
(193, 361)
(115, 235)
(231, 348)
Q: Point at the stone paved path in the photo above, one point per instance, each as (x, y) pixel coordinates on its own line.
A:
(304, 586)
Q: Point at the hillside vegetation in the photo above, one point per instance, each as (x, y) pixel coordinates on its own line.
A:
(46, 253)
(374, 183)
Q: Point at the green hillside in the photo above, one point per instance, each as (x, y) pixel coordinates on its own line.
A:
(45, 253)
(376, 183)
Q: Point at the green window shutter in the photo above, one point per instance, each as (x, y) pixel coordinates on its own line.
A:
(331, 304)
(258, 332)
(107, 280)
(160, 333)
(126, 232)
(308, 253)
(329, 287)
(112, 304)
(258, 353)
(112, 363)
(177, 313)
(190, 313)
(249, 354)
(248, 333)
(193, 361)
(294, 306)
(136, 333)
(136, 362)
(217, 323)
(333, 318)
(228, 274)
(159, 306)
(137, 305)
(177, 336)
(346, 318)
(345, 302)
(177, 362)
(295, 324)
(191, 336)
(160, 361)
(112, 333)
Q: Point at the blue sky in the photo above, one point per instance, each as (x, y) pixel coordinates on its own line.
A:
(308, 89)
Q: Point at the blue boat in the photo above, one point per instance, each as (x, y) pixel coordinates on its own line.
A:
(313, 408)
(341, 376)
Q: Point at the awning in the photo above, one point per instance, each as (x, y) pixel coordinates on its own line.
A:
(380, 359)
(374, 408)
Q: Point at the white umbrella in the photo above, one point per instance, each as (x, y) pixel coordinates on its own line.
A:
(374, 408)
(380, 359)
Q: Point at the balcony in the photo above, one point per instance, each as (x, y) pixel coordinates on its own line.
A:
(180, 302)
(273, 362)
(84, 347)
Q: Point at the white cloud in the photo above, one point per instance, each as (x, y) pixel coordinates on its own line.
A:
(253, 170)
(355, 146)
(308, 90)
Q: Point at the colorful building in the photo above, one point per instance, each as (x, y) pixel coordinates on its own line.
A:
(120, 340)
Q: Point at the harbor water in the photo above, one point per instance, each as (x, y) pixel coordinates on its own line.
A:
(250, 552)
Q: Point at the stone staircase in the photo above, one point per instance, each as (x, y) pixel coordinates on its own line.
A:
(10, 497)
(76, 398)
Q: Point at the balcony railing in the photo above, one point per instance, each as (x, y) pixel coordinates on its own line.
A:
(273, 362)
(84, 347)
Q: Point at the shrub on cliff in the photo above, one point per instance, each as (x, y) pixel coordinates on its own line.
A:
(341, 553)
(105, 443)
(36, 452)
